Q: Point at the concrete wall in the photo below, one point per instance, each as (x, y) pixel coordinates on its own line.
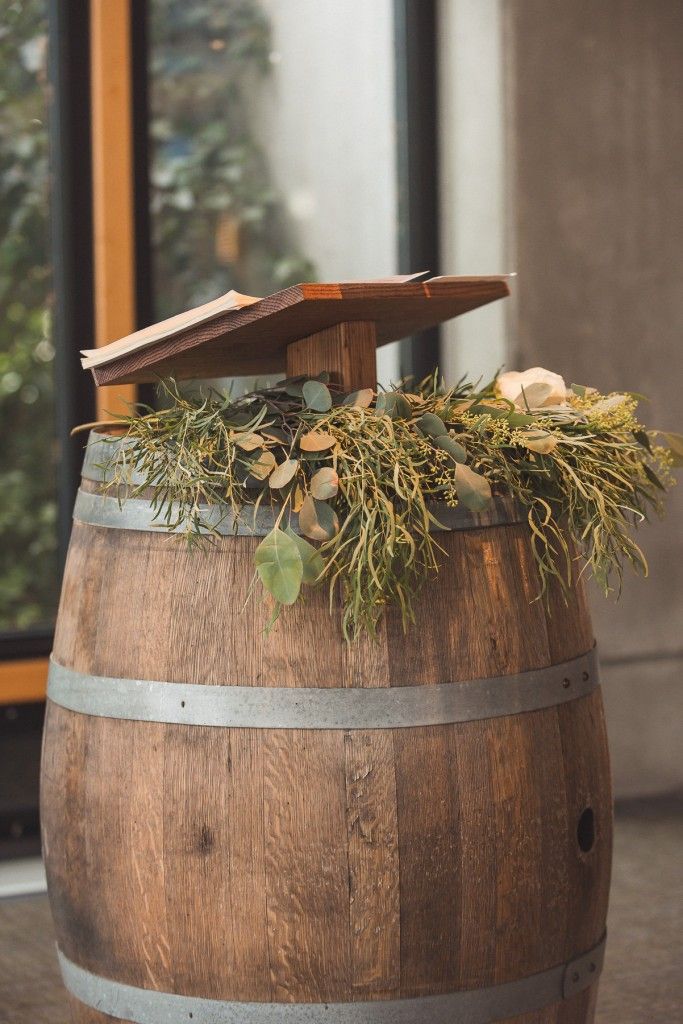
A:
(597, 170)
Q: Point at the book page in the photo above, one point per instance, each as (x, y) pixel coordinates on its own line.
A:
(165, 329)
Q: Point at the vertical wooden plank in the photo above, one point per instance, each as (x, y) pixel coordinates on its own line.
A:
(373, 864)
(548, 780)
(346, 351)
(429, 845)
(587, 784)
(112, 169)
(516, 849)
(477, 616)
(307, 868)
(214, 867)
(570, 631)
(477, 901)
(62, 785)
(147, 863)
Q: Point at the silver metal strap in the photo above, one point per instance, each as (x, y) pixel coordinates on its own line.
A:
(138, 514)
(300, 707)
(100, 453)
(474, 1006)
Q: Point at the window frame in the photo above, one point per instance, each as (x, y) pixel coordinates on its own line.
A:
(72, 253)
(72, 246)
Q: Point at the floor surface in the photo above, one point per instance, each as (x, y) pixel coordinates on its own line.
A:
(643, 978)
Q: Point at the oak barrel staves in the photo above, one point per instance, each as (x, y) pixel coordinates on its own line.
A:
(322, 866)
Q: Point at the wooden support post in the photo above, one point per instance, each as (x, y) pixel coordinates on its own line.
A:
(112, 162)
(347, 351)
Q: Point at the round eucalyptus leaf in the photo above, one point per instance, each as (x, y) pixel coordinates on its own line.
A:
(394, 405)
(311, 559)
(263, 466)
(283, 473)
(473, 489)
(432, 425)
(279, 565)
(324, 483)
(360, 399)
(316, 441)
(248, 441)
(317, 396)
(317, 520)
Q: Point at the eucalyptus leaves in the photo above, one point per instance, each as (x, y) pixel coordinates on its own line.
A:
(354, 481)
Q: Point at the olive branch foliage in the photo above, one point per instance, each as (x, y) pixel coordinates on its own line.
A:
(363, 476)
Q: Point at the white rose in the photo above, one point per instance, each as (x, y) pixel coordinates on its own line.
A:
(535, 387)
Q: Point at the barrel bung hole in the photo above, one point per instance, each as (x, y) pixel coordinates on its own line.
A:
(585, 830)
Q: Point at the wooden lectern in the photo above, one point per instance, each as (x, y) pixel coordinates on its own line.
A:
(304, 329)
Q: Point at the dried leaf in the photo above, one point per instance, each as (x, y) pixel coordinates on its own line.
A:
(279, 565)
(608, 404)
(324, 483)
(540, 441)
(298, 499)
(360, 399)
(263, 466)
(317, 520)
(283, 473)
(316, 441)
(248, 441)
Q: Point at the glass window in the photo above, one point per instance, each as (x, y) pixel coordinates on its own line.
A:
(273, 147)
(28, 503)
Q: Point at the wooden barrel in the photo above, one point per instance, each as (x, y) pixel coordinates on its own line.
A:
(289, 829)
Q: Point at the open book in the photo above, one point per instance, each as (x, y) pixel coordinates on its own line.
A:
(165, 329)
(232, 300)
(239, 335)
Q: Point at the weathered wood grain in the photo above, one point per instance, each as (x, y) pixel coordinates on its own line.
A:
(285, 865)
(254, 340)
(347, 351)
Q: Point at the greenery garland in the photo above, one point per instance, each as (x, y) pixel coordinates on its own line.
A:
(361, 475)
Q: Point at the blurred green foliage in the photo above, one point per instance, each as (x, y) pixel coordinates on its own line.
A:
(216, 224)
(28, 510)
